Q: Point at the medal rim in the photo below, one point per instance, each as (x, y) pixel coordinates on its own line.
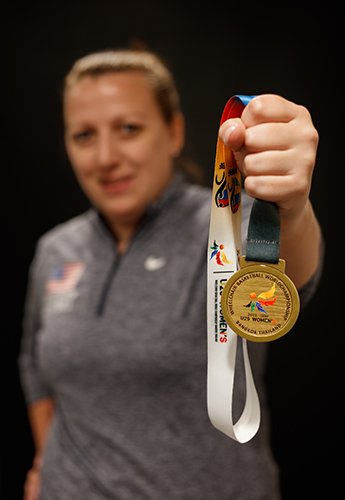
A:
(295, 301)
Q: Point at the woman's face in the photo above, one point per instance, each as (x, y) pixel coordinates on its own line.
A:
(120, 147)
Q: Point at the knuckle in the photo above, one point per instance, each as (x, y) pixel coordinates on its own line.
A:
(310, 135)
(301, 186)
(257, 106)
(309, 132)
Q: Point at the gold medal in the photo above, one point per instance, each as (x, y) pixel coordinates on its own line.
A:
(259, 302)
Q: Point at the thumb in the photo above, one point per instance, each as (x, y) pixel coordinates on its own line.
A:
(231, 132)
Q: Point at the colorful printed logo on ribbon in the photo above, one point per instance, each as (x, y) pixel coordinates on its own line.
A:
(234, 188)
(221, 197)
(263, 299)
(230, 186)
(218, 254)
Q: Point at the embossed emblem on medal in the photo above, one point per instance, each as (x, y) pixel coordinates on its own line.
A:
(259, 302)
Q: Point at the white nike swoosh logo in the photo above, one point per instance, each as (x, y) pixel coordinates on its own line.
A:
(154, 263)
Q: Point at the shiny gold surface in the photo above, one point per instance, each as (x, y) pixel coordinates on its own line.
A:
(259, 302)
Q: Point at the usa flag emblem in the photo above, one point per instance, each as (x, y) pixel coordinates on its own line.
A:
(64, 277)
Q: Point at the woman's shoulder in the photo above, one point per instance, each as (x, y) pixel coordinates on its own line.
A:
(196, 195)
(74, 229)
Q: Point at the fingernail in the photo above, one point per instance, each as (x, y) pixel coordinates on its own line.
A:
(225, 135)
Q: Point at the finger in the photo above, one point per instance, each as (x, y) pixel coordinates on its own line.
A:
(232, 133)
(267, 187)
(269, 136)
(282, 190)
(268, 108)
(267, 163)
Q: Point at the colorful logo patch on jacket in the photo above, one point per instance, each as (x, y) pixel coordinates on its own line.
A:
(64, 277)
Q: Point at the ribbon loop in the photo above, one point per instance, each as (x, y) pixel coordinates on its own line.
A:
(223, 261)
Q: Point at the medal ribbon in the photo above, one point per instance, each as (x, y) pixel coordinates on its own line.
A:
(263, 237)
(224, 249)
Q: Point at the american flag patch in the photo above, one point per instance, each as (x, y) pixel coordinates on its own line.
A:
(64, 277)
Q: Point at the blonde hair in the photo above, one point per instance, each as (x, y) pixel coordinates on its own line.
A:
(159, 77)
(124, 60)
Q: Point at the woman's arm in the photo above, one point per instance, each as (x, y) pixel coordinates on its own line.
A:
(300, 245)
(40, 415)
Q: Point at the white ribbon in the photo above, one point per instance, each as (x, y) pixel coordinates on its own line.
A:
(224, 249)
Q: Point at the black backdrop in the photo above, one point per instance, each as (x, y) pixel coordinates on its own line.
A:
(215, 49)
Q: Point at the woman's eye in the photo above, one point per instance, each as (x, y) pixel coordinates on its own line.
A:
(130, 129)
(82, 137)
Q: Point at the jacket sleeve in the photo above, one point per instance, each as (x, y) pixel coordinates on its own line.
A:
(32, 380)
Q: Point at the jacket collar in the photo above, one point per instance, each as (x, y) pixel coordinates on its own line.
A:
(153, 209)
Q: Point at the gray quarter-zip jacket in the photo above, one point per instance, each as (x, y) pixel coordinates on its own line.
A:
(119, 342)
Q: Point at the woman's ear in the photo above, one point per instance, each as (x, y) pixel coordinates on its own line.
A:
(177, 130)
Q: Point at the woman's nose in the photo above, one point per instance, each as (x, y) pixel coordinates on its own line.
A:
(108, 153)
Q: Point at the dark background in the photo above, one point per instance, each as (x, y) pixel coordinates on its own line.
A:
(215, 49)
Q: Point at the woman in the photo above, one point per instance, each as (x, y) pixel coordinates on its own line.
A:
(113, 359)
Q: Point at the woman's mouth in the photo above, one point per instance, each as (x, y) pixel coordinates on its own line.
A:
(116, 186)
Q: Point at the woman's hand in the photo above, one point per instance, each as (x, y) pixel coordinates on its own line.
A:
(274, 144)
(32, 483)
